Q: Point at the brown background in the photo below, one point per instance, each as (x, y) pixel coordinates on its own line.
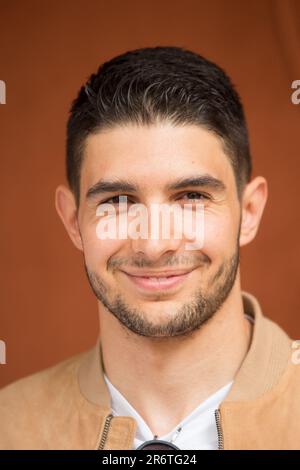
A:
(47, 50)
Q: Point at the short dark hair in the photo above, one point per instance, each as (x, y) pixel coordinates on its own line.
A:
(152, 84)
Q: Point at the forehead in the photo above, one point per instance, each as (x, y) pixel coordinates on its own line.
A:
(154, 155)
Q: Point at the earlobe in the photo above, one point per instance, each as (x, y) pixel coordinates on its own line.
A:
(66, 208)
(253, 204)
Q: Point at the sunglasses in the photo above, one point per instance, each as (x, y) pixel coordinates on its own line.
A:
(156, 444)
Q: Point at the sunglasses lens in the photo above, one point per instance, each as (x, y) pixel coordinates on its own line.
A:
(157, 445)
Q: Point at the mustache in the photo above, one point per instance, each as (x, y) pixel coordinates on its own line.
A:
(142, 262)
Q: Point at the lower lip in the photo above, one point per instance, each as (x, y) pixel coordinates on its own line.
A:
(152, 285)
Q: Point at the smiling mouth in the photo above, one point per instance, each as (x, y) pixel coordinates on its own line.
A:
(158, 281)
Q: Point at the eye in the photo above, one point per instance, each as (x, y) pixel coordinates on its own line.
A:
(195, 196)
(115, 200)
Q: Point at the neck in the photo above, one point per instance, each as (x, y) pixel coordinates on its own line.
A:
(182, 372)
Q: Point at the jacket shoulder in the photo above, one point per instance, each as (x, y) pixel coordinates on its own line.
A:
(29, 404)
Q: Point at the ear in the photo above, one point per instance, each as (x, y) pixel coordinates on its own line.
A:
(66, 208)
(254, 200)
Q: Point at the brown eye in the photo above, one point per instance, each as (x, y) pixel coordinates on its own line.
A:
(116, 200)
(193, 195)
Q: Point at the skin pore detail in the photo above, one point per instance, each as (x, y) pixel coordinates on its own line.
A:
(166, 350)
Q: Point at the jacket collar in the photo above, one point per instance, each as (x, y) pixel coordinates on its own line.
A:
(267, 357)
(261, 370)
(262, 367)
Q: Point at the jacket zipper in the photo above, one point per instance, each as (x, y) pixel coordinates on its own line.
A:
(110, 416)
(105, 431)
(219, 430)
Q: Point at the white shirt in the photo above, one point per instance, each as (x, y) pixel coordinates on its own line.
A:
(199, 430)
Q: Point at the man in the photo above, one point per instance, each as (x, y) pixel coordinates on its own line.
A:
(183, 357)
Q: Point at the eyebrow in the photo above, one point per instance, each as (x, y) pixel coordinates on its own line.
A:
(205, 180)
(112, 186)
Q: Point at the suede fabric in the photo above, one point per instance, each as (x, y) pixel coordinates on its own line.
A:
(47, 410)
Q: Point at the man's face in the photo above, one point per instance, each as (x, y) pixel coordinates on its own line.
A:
(123, 273)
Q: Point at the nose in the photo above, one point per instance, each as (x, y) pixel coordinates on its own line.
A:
(154, 249)
(160, 238)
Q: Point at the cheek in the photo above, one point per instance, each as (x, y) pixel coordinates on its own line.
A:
(97, 252)
(219, 235)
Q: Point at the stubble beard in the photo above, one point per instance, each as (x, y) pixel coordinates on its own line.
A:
(189, 318)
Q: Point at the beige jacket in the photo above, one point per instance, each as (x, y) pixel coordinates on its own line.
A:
(47, 410)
